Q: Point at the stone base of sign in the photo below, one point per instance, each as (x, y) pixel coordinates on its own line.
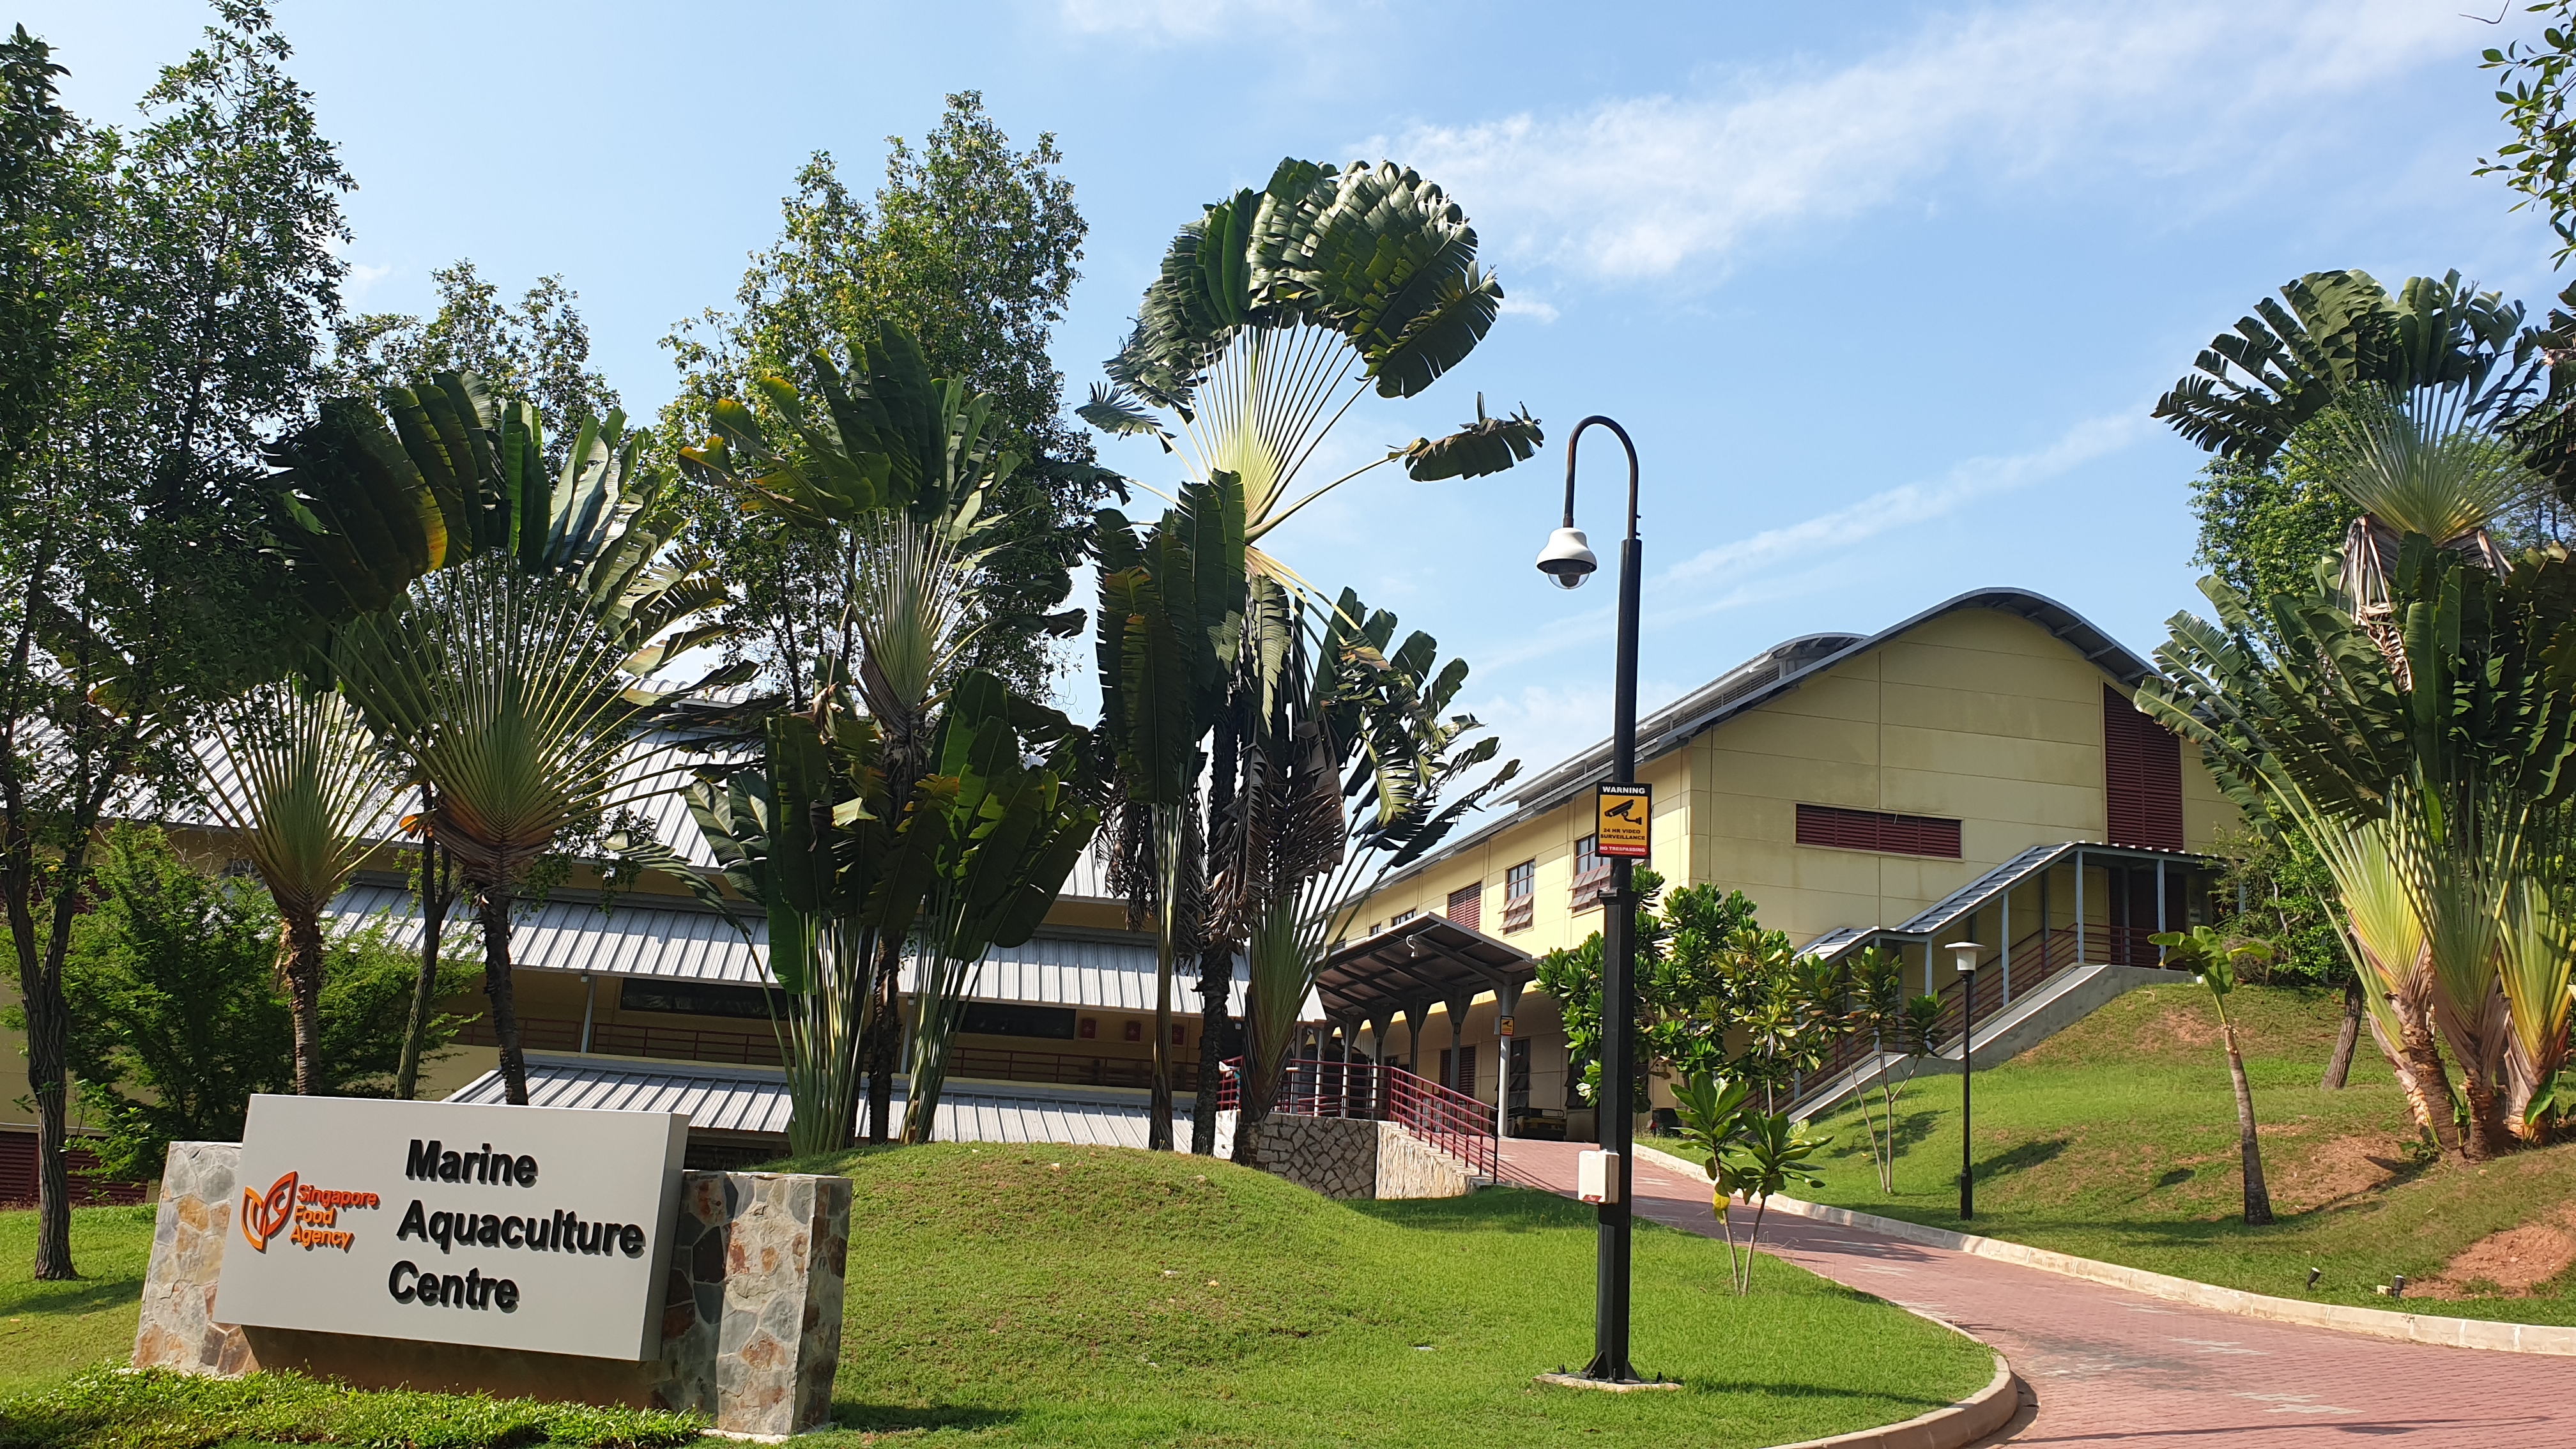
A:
(1349, 1158)
(751, 1322)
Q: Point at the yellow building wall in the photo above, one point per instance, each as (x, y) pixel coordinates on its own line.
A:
(1979, 716)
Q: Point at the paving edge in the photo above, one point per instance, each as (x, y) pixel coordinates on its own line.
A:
(2374, 1322)
(1951, 1426)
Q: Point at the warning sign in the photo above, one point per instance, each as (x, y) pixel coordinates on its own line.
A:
(1625, 811)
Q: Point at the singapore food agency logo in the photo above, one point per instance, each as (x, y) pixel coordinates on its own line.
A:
(308, 1215)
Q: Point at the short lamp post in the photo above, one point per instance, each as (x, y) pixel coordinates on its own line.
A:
(1966, 953)
(1568, 560)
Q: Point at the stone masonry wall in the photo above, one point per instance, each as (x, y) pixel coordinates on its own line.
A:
(1407, 1166)
(1332, 1155)
(1345, 1158)
(751, 1325)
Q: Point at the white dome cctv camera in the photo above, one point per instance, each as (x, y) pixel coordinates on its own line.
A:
(1567, 558)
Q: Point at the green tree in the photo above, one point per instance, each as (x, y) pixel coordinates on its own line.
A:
(884, 474)
(192, 268)
(178, 1016)
(2264, 526)
(536, 350)
(2214, 959)
(971, 247)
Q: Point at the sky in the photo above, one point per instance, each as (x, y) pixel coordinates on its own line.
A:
(1883, 292)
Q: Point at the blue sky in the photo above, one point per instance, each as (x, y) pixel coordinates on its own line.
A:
(1884, 292)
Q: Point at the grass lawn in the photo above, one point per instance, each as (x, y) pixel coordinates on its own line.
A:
(48, 1328)
(2116, 1140)
(1079, 1296)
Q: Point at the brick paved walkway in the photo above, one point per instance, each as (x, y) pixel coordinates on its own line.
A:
(2111, 1367)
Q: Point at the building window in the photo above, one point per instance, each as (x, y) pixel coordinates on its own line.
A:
(1400, 917)
(694, 998)
(996, 1018)
(1591, 873)
(1467, 906)
(1889, 834)
(1520, 894)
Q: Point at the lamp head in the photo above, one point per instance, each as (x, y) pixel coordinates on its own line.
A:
(1568, 558)
(1965, 953)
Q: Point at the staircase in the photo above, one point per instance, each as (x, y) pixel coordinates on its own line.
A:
(2069, 993)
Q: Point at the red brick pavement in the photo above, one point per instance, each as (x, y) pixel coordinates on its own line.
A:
(2110, 1367)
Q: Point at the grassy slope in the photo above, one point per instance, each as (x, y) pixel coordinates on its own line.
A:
(2117, 1140)
(1064, 1296)
(1093, 1296)
(47, 1329)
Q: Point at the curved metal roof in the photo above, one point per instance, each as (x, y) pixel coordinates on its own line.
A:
(1775, 672)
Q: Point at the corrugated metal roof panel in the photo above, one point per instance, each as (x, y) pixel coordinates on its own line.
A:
(685, 943)
(750, 1101)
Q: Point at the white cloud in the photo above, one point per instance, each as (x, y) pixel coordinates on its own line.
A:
(1912, 503)
(1813, 555)
(362, 279)
(1528, 307)
(1640, 186)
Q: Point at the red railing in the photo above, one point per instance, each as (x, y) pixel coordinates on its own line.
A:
(694, 1044)
(1449, 1120)
(2034, 962)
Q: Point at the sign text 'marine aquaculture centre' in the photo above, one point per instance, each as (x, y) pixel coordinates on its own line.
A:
(512, 1227)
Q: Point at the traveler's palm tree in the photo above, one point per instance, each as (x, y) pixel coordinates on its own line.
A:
(898, 464)
(297, 776)
(2453, 772)
(1349, 775)
(1014, 781)
(515, 681)
(1274, 312)
(2419, 401)
(806, 836)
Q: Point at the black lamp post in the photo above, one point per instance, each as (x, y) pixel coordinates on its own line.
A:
(1966, 953)
(1568, 559)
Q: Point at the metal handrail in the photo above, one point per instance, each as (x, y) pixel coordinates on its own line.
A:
(1450, 1120)
(2034, 962)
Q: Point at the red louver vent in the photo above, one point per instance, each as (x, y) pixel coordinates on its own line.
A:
(1467, 906)
(2141, 777)
(1879, 830)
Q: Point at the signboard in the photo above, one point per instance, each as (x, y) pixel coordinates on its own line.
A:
(1624, 814)
(541, 1228)
(1504, 1026)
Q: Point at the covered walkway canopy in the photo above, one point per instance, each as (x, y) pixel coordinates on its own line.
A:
(1410, 965)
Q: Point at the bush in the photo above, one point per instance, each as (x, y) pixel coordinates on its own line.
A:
(113, 1408)
(178, 1016)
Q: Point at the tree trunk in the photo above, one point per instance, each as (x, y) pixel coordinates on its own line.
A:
(885, 1039)
(424, 992)
(49, 1075)
(48, 1014)
(496, 985)
(2339, 1068)
(1158, 1121)
(2488, 1135)
(2431, 1083)
(2258, 1198)
(1216, 984)
(303, 931)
